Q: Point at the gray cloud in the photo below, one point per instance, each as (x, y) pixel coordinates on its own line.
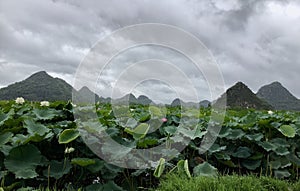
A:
(255, 41)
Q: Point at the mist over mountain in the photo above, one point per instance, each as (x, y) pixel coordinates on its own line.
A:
(179, 102)
(85, 95)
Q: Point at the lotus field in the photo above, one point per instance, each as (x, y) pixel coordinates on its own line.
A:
(42, 146)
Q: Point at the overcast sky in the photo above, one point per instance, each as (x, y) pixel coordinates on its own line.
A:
(254, 41)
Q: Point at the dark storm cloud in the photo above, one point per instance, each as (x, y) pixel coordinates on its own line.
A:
(255, 41)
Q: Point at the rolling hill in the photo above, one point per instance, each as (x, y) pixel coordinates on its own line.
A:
(39, 86)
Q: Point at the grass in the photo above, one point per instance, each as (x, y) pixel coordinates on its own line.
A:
(174, 182)
(45, 189)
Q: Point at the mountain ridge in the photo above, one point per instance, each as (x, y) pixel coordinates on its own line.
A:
(41, 86)
(279, 97)
(240, 96)
(37, 87)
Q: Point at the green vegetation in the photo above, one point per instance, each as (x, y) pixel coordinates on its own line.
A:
(42, 147)
(225, 183)
(240, 96)
(40, 86)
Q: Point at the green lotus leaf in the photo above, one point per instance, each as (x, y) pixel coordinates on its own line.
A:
(275, 164)
(294, 159)
(157, 112)
(254, 137)
(93, 187)
(97, 166)
(34, 138)
(282, 173)
(186, 168)
(268, 146)
(35, 128)
(131, 123)
(225, 131)
(192, 113)
(279, 162)
(229, 163)
(111, 186)
(68, 135)
(275, 124)
(287, 131)
(171, 130)
(222, 156)
(282, 151)
(256, 156)
(92, 127)
(147, 142)
(236, 134)
(5, 138)
(57, 169)
(232, 134)
(160, 168)
(144, 117)
(5, 149)
(112, 131)
(192, 134)
(175, 119)
(251, 164)
(23, 160)
(183, 168)
(4, 117)
(139, 132)
(216, 148)
(115, 150)
(205, 169)
(83, 161)
(264, 122)
(280, 142)
(19, 139)
(46, 114)
(242, 152)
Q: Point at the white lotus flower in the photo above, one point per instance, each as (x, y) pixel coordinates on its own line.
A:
(69, 150)
(270, 112)
(45, 103)
(20, 100)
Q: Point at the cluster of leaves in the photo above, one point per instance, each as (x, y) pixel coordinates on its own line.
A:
(250, 142)
(36, 142)
(35, 150)
(259, 142)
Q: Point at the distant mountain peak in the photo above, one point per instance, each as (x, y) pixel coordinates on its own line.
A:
(85, 95)
(278, 96)
(37, 87)
(240, 85)
(276, 83)
(84, 88)
(40, 75)
(144, 100)
(240, 96)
